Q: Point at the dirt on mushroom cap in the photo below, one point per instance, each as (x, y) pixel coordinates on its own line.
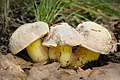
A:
(62, 34)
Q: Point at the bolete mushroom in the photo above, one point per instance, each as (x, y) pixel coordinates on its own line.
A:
(95, 40)
(60, 40)
(30, 36)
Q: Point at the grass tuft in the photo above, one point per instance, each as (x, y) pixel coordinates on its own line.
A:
(47, 10)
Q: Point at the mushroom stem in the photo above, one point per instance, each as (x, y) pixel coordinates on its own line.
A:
(61, 54)
(65, 55)
(81, 56)
(54, 53)
(37, 52)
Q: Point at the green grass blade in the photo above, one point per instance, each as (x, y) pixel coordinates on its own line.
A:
(47, 10)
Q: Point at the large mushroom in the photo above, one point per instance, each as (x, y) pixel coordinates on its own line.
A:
(30, 36)
(95, 40)
(60, 40)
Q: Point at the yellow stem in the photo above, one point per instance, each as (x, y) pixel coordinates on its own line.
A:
(37, 52)
(65, 55)
(61, 54)
(82, 56)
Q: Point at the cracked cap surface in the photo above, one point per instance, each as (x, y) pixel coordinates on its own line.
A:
(62, 34)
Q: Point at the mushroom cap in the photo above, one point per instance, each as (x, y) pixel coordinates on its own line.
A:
(95, 37)
(62, 34)
(26, 34)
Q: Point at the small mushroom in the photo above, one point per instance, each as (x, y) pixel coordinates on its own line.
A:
(30, 36)
(95, 40)
(60, 40)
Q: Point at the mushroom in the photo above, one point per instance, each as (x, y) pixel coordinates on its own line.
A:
(30, 36)
(60, 40)
(95, 40)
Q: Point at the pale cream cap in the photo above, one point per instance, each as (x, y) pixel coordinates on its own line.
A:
(26, 34)
(95, 37)
(62, 34)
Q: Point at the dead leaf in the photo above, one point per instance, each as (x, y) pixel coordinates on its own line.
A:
(5, 75)
(54, 72)
(109, 72)
(9, 65)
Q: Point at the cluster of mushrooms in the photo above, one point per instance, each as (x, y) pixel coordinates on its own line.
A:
(61, 42)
